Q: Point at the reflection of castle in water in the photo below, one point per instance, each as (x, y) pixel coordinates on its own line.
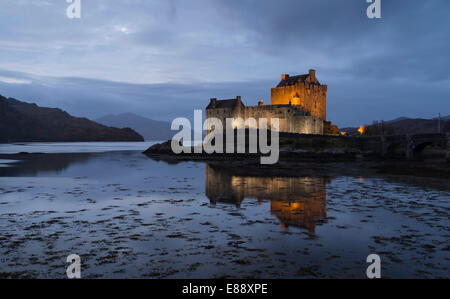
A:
(295, 201)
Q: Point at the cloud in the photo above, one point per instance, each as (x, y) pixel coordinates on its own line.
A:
(163, 58)
(349, 102)
(11, 80)
(95, 98)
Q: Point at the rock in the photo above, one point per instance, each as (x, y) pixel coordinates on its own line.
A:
(160, 148)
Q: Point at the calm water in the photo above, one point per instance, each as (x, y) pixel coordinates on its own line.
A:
(129, 216)
(72, 147)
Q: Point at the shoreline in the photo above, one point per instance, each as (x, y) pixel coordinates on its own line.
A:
(291, 165)
(307, 161)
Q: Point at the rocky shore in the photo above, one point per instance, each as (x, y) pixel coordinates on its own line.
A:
(294, 162)
(326, 155)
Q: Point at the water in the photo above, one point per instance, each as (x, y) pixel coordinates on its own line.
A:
(129, 216)
(7, 162)
(72, 147)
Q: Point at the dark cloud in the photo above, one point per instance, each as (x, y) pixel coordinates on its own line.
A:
(411, 37)
(162, 59)
(95, 98)
(350, 102)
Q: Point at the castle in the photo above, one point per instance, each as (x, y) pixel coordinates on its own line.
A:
(295, 201)
(299, 102)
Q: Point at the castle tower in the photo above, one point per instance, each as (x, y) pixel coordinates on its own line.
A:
(302, 90)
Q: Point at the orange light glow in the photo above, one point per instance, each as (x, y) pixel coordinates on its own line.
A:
(362, 130)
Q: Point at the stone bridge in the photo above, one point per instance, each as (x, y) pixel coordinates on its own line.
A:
(413, 145)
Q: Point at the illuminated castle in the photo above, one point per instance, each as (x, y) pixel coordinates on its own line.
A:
(299, 102)
(295, 201)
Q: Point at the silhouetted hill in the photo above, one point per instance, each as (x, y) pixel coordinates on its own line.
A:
(444, 118)
(404, 125)
(24, 122)
(397, 119)
(417, 126)
(150, 129)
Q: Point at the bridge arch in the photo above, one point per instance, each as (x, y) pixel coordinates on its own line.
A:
(415, 145)
(393, 148)
(418, 147)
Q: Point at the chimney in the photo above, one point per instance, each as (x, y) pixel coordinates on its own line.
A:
(213, 102)
(312, 75)
(284, 76)
(238, 104)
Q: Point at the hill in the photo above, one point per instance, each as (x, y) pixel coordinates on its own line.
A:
(417, 126)
(25, 122)
(404, 125)
(150, 129)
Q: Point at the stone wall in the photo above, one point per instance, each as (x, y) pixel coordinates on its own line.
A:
(292, 119)
(311, 97)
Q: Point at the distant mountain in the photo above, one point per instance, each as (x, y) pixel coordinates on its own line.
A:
(24, 122)
(444, 118)
(150, 129)
(405, 125)
(397, 119)
(417, 126)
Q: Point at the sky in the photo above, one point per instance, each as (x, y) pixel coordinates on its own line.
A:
(164, 58)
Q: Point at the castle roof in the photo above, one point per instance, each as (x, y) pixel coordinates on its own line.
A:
(287, 80)
(292, 80)
(220, 104)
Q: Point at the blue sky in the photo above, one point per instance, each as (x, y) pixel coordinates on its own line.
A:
(164, 58)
